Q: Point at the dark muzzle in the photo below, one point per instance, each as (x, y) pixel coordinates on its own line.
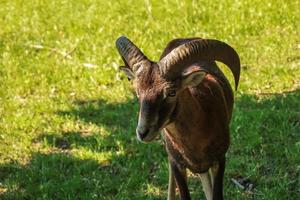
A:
(147, 121)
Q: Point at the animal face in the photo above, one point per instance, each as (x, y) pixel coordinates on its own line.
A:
(158, 85)
(157, 99)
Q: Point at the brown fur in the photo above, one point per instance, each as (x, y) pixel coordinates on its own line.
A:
(148, 82)
(199, 136)
(195, 120)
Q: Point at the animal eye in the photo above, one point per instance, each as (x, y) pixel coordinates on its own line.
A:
(172, 93)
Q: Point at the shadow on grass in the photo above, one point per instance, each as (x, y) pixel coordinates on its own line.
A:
(59, 176)
(111, 115)
(125, 173)
(265, 147)
(118, 119)
(75, 140)
(266, 144)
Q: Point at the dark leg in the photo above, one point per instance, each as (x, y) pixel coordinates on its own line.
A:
(218, 181)
(172, 186)
(181, 182)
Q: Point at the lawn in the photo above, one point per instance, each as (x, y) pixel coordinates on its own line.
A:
(68, 116)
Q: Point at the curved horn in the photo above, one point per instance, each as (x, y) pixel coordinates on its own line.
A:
(130, 53)
(202, 49)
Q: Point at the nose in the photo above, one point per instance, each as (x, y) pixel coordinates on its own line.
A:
(142, 132)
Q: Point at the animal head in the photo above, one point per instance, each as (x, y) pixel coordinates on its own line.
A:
(158, 84)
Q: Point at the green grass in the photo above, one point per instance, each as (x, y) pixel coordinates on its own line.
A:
(67, 130)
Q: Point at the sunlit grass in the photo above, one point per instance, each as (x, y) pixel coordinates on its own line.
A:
(67, 115)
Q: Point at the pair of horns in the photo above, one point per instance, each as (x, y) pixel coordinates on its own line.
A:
(183, 56)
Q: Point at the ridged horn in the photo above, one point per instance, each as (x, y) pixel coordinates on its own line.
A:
(203, 49)
(133, 56)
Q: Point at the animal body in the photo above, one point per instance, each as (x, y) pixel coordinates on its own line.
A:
(187, 97)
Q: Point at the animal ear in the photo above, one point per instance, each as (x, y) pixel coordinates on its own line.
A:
(192, 76)
(129, 73)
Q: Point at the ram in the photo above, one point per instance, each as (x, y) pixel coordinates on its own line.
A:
(187, 98)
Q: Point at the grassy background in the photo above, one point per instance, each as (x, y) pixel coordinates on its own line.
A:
(67, 116)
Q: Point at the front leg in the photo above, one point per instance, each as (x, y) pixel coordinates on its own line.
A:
(217, 174)
(172, 186)
(206, 185)
(180, 178)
